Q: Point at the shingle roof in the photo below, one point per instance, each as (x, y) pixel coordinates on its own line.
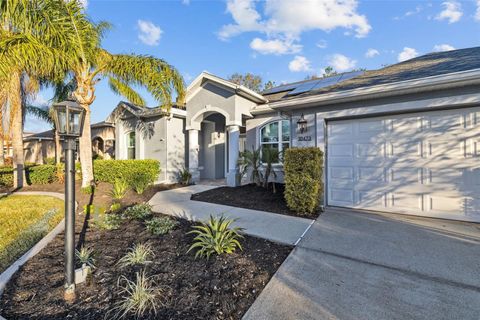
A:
(433, 64)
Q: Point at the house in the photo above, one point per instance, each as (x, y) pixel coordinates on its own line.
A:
(41, 146)
(403, 139)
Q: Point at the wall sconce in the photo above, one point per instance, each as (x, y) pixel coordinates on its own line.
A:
(302, 124)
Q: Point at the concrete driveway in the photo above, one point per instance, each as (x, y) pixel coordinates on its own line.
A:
(354, 265)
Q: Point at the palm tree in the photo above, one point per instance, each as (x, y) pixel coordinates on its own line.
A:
(270, 156)
(250, 160)
(29, 34)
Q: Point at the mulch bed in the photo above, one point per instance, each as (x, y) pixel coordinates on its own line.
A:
(222, 287)
(250, 196)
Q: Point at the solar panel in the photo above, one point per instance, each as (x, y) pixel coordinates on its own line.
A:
(281, 88)
(304, 87)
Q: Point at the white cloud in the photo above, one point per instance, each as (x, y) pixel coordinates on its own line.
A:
(371, 53)
(410, 13)
(150, 34)
(477, 13)
(281, 21)
(275, 46)
(341, 63)
(298, 64)
(452, 11)
(442, 47)
(407, 54)
(322, 44)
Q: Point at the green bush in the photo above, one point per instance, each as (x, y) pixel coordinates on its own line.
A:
(111, 170)
(50, 160)
(41, 174)
(6, 176)
(139, 212)
(108, 221)
(303, 179)
(158, 226)
(119, 189)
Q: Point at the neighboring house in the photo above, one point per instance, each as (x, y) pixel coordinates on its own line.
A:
(40, 146)
(404, 139)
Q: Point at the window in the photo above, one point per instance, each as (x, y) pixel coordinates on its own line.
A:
(275, 135)
(131, 145)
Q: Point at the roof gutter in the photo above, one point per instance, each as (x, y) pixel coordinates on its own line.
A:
(440, 82)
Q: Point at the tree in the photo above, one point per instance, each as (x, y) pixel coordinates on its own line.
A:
(251, 81)
(79, 52)
(329, 71)
(28, 38)
(269, 157)
(250, 160)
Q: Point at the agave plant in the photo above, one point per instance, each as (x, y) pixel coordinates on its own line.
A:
(216, 236)
(85, 256)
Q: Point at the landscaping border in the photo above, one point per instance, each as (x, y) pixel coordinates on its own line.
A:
(10, 271)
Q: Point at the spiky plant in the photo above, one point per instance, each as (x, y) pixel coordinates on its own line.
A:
(270, 156)
(216, 236)
(137, 298)
(86, 256)
(249, 160)
(137, 255)
(119, 189)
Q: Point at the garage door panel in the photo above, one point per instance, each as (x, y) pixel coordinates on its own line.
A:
(423, 163)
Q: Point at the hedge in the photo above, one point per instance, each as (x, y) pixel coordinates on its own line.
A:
(111, 170)
(104, 171)
(303, 179)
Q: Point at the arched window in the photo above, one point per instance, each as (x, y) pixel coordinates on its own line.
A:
(131, 145)
(275, 135)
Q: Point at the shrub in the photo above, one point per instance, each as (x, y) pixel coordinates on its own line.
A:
(138, 254)
(41, 174)
(140, 182)
(158, 226)
(303, 179)
(108, 221)
(60, 173)
(184, 176)
(119, 189)
(50, 161)
(138, 211)
(6, 176)
(137, 298)
(111, 170)
(115, 207)
(85, 256)
(216, 236)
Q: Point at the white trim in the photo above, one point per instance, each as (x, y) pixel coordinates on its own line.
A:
(451, 80)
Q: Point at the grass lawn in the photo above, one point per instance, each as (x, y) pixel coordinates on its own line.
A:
(24, 220)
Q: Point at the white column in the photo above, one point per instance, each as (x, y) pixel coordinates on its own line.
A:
(193, 149)
(233, 149)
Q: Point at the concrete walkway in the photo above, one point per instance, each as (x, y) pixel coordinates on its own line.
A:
(267, 225)
(357, 265)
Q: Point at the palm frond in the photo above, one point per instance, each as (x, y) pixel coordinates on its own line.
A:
(125, 90)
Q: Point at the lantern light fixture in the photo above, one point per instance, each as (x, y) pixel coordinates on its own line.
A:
(302, 124)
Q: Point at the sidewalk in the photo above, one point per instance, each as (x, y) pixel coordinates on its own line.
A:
(267, 225)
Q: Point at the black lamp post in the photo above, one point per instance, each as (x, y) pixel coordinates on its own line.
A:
(302, 124)
(69, 117)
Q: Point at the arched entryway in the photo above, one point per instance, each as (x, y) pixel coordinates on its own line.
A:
(98, 147)
(212, 143)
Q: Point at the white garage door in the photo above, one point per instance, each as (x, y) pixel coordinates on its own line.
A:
(424, 164)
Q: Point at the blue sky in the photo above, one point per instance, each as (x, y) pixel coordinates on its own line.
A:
(280, 40)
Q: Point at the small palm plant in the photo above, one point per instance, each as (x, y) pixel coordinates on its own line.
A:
(86, 256)
(216, 236)
(119, 189)
(269, 157)
(185, 176)
(137, 255)
(251, 160)
(137, 298)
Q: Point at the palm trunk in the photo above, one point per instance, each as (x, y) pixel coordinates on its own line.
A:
(2, 152)
(58, 152)
(86, 150)
(18, 158)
